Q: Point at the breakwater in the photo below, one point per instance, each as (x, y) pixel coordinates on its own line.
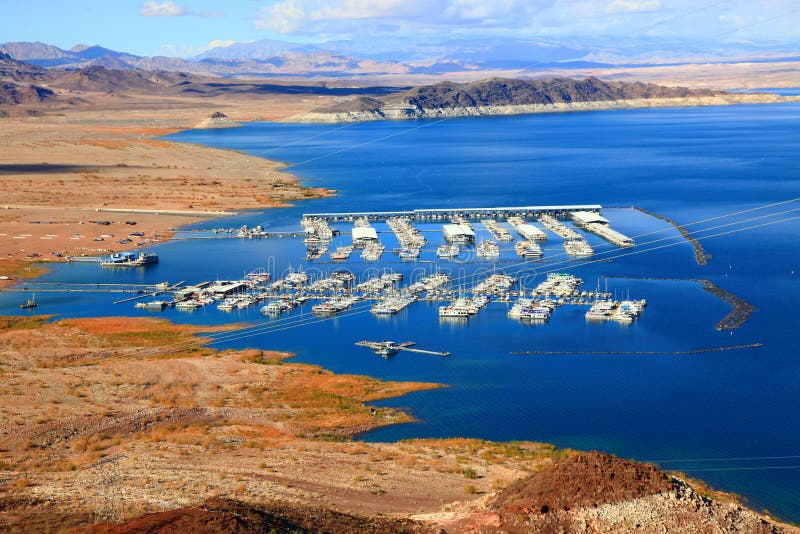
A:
(699, 254)
(640, 352)
(741, 312)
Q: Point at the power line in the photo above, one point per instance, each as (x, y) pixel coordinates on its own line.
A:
(251, 331)
(727, 459)
(270, 327)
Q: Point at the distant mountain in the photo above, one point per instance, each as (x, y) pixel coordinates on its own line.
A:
(260, 58)
(36, 51)
(393, 56)
(18, 71)
(101, 79)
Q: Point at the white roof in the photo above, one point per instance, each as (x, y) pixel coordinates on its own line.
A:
(609, 232)
(364, 232)
(458, 229)
(589, 217)
(530, 230)
(224, 285)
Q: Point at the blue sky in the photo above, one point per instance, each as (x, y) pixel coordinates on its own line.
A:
(176, 27)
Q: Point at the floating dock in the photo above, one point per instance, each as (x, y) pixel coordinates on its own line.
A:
(438, 214)
(389, 348)
(595, 223)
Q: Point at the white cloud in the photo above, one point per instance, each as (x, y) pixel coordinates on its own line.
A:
(342, 16)
(633, 6)
(168, 8)
(217, 43)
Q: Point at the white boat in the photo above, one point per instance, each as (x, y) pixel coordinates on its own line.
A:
(409, 253)
(341, 253)
(488, 249)
(228, 304)
(447, 251)
(528, 250)
(275, 307)
(129, 259)
(187, 305)
(450, 311)
(535, 314)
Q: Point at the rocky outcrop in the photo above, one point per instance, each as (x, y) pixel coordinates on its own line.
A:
(218, 120)
(597, 492)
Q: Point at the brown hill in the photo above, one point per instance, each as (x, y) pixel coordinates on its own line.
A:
(582, 480)
(16, 94)
(597, 492)
(101, 79)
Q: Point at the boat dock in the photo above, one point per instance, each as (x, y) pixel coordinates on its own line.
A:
(389, 348)
(439, 214)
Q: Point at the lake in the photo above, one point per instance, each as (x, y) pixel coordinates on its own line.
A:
(731, 418)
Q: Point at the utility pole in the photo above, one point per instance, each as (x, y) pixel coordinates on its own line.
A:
(110, 505)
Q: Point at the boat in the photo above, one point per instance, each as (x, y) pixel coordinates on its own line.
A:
(537, 313)
(244, 302)
(157, 305)
(228, 304)
(528, 250)
(30, 304)
(450, 311)
(460, 307)
(187, 305)
(392, 305)
(488, 249)
(409, 253)
(386, 350)
(447, 251)
(341, 253)
(314, 252)
(261, 277)
(373, 252)
(273, 308)
(129, 259)
(578, 247)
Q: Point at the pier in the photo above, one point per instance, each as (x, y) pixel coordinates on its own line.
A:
(389, 348)
(439, 214)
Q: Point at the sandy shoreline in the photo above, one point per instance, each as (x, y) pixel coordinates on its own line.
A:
(78, 181)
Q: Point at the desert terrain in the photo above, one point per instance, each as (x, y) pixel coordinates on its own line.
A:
(67, 170)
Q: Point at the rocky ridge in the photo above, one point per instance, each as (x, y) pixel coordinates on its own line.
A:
(499, 96)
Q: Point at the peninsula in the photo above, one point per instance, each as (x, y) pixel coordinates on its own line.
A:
(503, 96)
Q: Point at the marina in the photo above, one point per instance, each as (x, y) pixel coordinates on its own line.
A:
(491, 395)
(458, 232)
(342, 290)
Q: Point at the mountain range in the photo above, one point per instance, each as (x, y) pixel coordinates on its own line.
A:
(389, 57)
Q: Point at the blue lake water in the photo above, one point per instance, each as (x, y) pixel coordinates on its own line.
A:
(689, 164)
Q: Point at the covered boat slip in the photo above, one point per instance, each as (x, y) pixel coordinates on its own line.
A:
(470, 213)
